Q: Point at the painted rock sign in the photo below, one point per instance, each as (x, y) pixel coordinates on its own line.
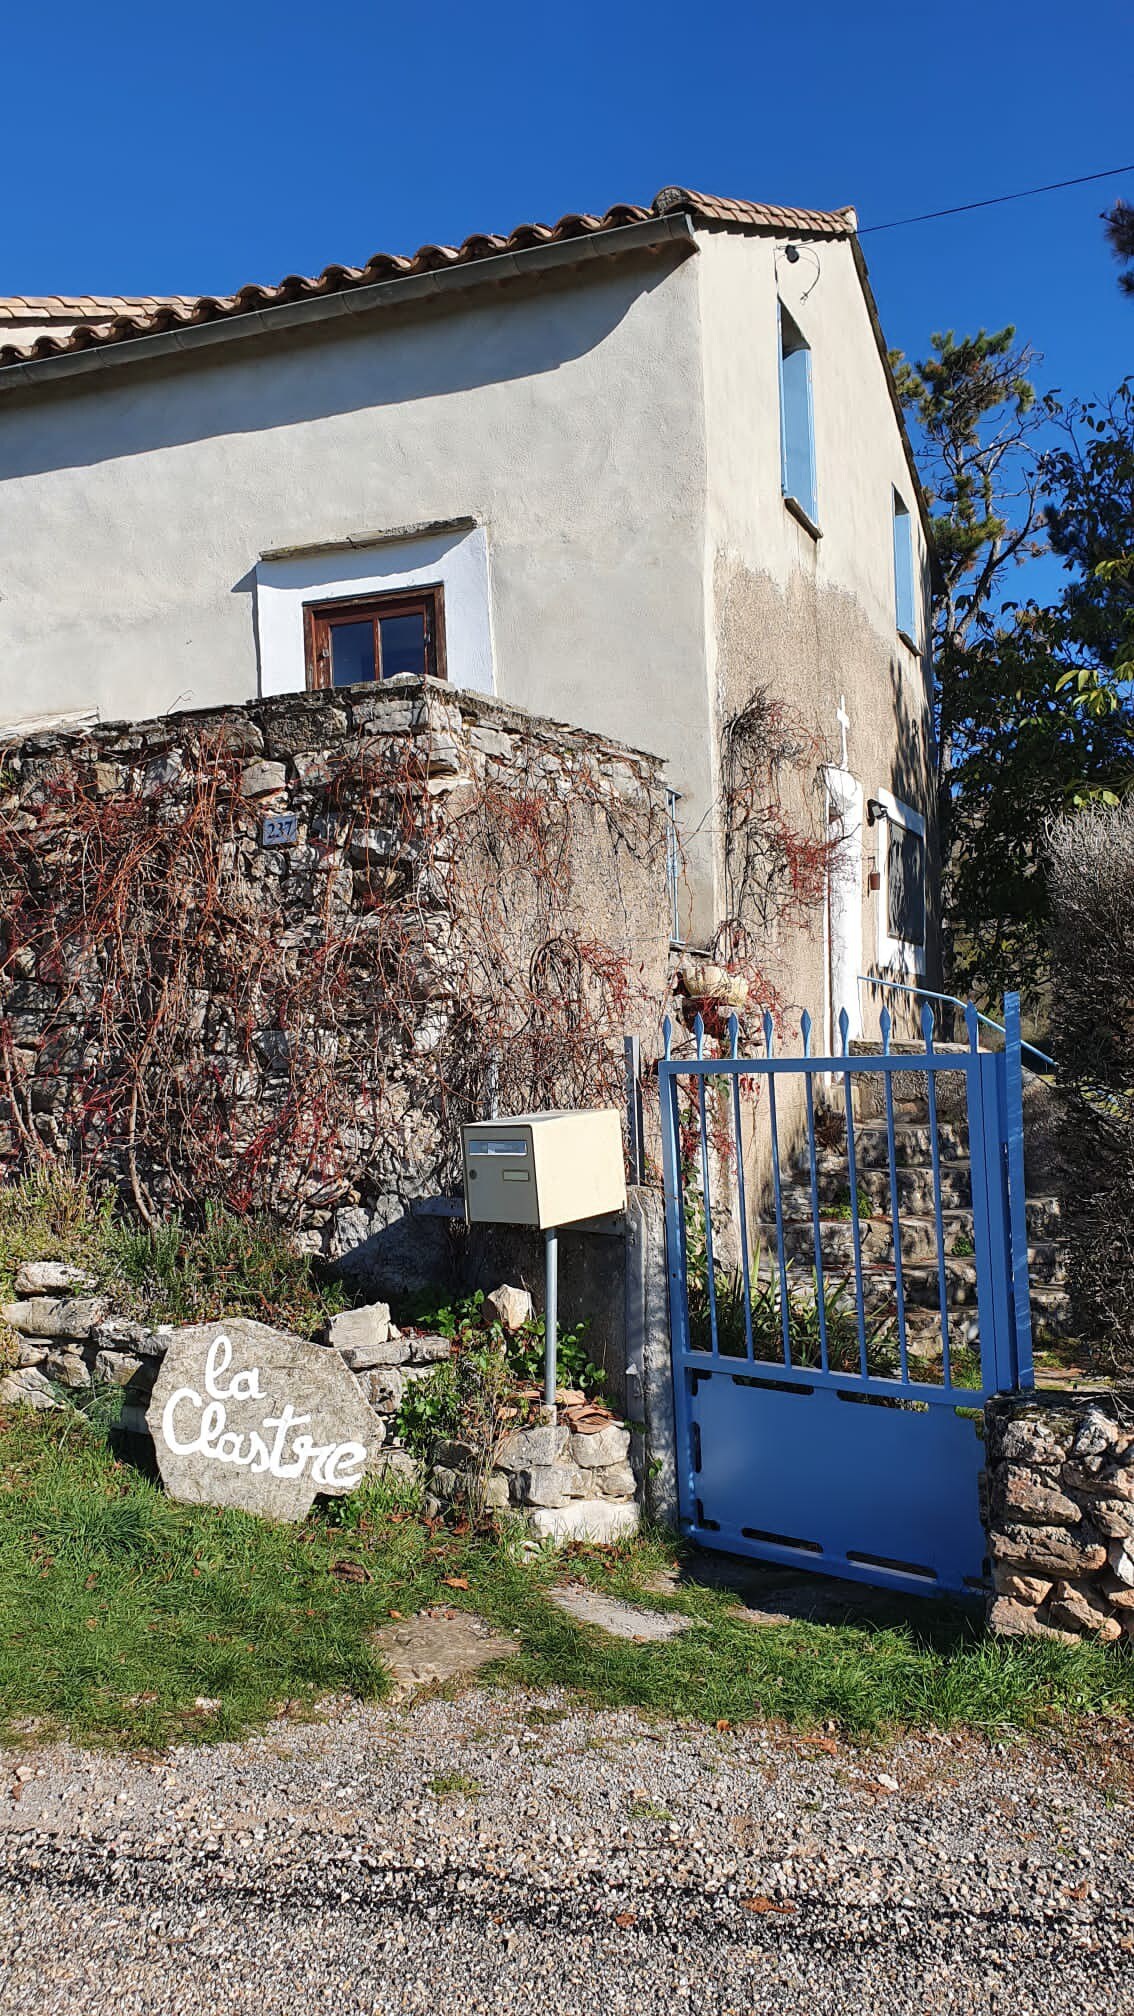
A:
(249, 1417)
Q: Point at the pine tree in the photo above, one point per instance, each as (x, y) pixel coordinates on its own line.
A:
(1120, 232)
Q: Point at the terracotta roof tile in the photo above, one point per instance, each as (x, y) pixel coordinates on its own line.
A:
(68, 307)
(97, 320)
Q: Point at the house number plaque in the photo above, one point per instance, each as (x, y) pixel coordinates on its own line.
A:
(280, 829)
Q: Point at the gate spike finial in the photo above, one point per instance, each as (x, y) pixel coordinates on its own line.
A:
(805, 1031)
(927, 1024)
(733, 1035)
(844, 1029)
(769, 1033)
(667, 1036)
(885, 1023)
(699, 1033)
(972, 1025)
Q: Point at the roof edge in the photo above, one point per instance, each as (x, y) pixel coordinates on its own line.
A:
(109, 350)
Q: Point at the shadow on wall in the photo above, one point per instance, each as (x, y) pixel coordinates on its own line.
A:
(430, 1249)
(913, 780)
(523, 330)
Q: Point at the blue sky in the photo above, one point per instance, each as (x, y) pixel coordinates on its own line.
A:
(188, 150)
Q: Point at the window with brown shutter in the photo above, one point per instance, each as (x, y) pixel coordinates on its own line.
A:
(375, 637)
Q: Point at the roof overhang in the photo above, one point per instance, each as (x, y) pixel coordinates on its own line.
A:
(655, 234)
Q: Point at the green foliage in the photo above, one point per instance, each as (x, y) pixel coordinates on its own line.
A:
(455, 1785)
(1029, 744)
(840, 1206)
(1089, 483)
(465, 1399)
(246, 1266)
(172, 1272)
(1033, 704)
(974, 403)
(488, 1356)
(810, 1313)
(1120, 236)
(129, 1621)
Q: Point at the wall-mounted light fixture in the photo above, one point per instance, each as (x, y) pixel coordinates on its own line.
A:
(793, 254)
(875, 810)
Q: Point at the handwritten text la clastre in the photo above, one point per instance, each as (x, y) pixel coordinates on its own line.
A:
(276, 1448)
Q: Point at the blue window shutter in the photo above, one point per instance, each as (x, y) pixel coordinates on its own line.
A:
(797, 423)
(905, 607)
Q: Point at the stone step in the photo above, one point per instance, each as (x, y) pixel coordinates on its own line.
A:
(914, 1186)
(1044, 1214)
(913, 1143)
(1050, 1304)
(1046, 1257)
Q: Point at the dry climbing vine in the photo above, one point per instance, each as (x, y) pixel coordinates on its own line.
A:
(194, 1016)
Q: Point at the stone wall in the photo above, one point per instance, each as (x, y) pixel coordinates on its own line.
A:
(70, 1341)
(468, 916)
(565, 1482)
(568, 1481)
(1060, 1481)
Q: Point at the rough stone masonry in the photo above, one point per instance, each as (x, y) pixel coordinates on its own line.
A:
(1060, 1481)
(465, 912)
(566, 1483)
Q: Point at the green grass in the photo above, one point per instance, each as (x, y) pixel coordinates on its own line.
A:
(176, 1272)
(127, 1620)
(455, 1785)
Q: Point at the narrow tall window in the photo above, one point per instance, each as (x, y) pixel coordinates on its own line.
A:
(905, 603)
(375, 637)
(797, 420)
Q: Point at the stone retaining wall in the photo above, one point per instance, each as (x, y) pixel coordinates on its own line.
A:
(69, 1337)
(566, 1485)
(466, 913)
(1060, 1485)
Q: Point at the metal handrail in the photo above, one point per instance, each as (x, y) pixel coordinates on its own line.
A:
(953, 1001)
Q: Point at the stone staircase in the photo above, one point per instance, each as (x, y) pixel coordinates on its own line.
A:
(1051, 1314)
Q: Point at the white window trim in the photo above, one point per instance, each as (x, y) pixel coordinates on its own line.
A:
(901, 959)
(457, 559)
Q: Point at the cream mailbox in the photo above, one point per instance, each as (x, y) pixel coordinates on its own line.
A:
(544, 1169)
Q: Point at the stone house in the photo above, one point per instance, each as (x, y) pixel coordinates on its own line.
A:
(644, 473)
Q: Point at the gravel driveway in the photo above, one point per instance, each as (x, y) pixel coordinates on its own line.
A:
(598, 1863)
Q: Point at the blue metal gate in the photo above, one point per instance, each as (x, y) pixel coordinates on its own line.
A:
(817, 1425)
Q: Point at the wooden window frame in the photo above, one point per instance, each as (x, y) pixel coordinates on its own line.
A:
(318, 616)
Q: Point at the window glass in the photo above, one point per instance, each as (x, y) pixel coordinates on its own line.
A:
(905, 606)
(352, 652)
(403, 644)
(797, 424)
(905, 885)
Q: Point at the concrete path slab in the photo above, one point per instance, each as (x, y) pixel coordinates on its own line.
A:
(621, 1620)
(438, 1645)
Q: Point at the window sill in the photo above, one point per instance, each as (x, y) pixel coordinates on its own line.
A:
(910, 641)
(802, 516)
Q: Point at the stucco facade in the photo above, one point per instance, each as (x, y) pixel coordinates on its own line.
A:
(588, 460)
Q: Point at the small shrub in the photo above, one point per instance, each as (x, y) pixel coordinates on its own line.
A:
(840, 1208)
(466, 1399)
(245, 1266)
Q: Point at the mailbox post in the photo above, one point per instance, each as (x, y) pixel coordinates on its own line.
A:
(544, 1170)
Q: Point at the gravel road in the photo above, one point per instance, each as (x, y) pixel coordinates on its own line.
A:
(508, 1852)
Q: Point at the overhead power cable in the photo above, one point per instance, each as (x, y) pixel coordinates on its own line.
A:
(987, 202)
